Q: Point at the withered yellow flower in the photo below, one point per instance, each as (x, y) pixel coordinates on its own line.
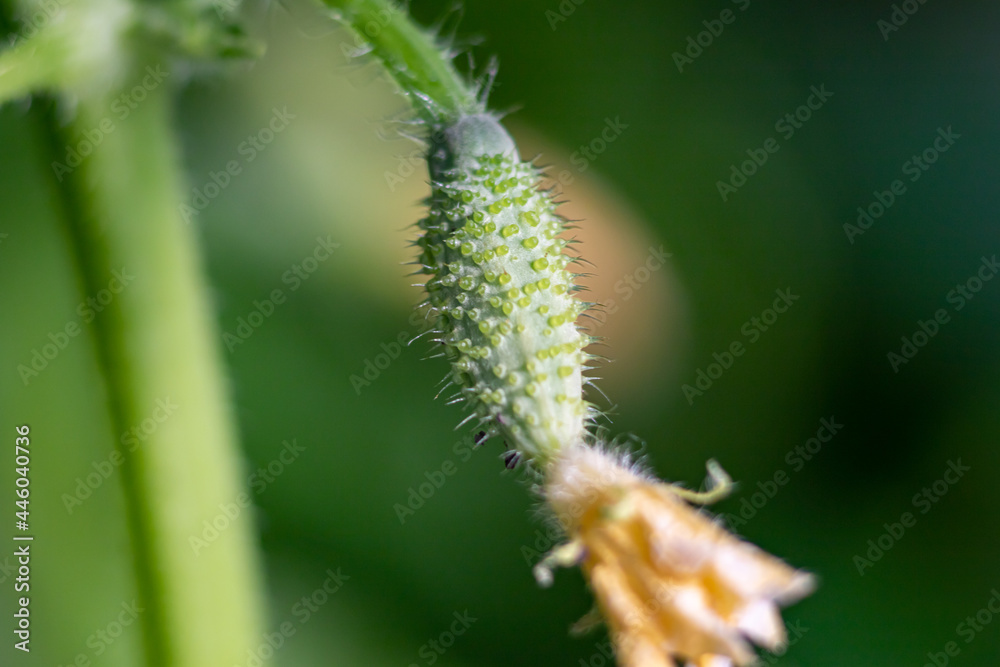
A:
(670, 582)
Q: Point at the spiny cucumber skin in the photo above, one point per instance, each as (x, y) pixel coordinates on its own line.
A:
(502, 292)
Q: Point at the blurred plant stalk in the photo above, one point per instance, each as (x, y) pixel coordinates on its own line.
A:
(157, 338)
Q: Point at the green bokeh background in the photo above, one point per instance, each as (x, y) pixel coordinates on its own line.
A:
(325, 175)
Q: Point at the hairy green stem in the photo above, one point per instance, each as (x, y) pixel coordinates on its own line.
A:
(411, 56)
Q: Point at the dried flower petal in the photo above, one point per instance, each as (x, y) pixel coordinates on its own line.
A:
(671, 582)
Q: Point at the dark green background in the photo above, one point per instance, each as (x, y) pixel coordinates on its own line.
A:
(462, 551)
